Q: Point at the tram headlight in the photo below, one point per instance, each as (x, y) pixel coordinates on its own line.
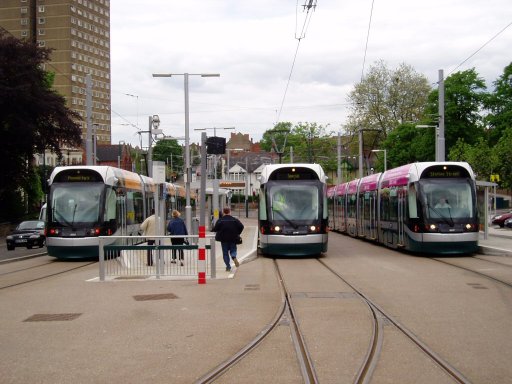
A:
(94, 232)
(469, 227)
(313, 228)
(276, 229)
(432, 228)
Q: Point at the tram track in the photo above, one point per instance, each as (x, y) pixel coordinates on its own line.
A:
(285, 314)
(508, 284)
(380, 316)
(37, 278)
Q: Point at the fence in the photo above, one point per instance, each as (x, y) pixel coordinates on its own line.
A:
(130, 257)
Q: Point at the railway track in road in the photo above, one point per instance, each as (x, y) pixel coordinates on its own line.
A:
(285, 314)
(475, 271)
(379, 317)
(46, 269)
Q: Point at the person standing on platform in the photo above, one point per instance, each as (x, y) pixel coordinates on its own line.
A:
(228, 230)
(177, 227)
(148, 228)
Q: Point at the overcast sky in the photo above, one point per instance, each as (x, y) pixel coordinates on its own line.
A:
(252, 44)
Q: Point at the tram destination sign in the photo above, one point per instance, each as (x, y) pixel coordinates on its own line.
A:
(448, 172)
(78, 176)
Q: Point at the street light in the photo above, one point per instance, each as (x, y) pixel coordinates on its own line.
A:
(120, 153)
(188, 175)
(94, 143)
(385, 157)
(154, 123)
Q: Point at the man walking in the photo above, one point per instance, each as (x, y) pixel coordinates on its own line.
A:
(228, 230)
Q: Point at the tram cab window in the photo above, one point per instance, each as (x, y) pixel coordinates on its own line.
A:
(412, 202)
(457, 202)
(110, 205)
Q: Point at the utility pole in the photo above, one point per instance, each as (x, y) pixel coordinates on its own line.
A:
(88, 118)
(440, 143)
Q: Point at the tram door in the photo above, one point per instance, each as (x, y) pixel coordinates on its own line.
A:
(372, 215)
(361, 208)
(402, 209)
(121, 214)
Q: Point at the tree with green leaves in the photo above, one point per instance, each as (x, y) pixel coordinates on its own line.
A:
(33, 117)
(170, 152)
(473, 154)
(465, 96)
(276, 138)
(500, 106)
(386, 98)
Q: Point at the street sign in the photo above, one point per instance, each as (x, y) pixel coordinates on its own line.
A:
(232, 184)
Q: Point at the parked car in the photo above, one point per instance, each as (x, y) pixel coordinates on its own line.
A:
(500, 219)
(508, 223)
(27, 234)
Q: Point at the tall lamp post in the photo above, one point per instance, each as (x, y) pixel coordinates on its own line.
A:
(154, 123)
(120, 153)
(385, 157)
(188, 175)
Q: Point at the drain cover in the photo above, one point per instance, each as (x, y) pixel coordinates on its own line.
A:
(156, 296)
(53, 317)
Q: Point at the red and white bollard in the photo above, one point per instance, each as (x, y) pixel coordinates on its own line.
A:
(201, 260)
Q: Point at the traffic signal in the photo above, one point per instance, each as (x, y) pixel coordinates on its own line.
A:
(215, 145)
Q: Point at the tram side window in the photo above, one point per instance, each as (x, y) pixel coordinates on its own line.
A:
(110, 205)
(385, 204)
(352, 206)
(134, 208)
(393, 204)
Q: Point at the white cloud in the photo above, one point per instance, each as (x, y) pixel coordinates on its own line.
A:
(252, 45)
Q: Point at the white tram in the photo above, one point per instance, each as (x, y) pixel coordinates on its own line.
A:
(85, 202)
(428, 207)
(292, 212)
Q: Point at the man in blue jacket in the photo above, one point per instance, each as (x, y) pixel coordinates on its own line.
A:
(228, 230)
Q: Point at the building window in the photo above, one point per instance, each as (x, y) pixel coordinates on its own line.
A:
(41, 8)
(41, 32)
(24, 10)
(24, 33)
(24, 21)
(41, 43)
(41, 20)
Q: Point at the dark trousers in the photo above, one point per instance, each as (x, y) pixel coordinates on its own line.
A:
(180, 251)
(150, 252)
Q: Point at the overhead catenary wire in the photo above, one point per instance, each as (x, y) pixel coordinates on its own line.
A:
(310, 5)
(367, 40)
(482, 47)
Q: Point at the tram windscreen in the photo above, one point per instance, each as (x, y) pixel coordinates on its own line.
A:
(447, 198)
(75, 203)
(294, 202)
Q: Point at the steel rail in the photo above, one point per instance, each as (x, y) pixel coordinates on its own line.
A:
(46, 276)
(284, 310)
(443, 364)
(476, 272)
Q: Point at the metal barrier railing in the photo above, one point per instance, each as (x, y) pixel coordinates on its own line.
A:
(130, 257)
